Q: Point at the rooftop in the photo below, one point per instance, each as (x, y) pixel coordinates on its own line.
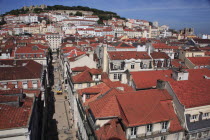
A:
(122, 55)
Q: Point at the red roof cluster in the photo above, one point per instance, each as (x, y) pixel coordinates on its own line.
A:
(148, 79)
(133, 108)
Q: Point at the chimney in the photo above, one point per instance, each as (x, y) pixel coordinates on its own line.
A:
(160, 84)
(180, 74)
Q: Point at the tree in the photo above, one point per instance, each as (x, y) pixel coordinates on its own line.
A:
(2, 22)
(100, 21)
(78, 13)
(37, 10)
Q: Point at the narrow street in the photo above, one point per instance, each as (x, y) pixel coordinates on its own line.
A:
(62, 118)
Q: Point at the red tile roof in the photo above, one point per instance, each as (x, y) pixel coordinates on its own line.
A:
(13, 117)
(4, 99)
(29, 70)
(200, 61)
(29, 50)
(159, 55)
(79, 69)
(122, 55)
(148, 79)
(86, 76)
(192, 93)
(138, 108)
(164, 46)
(177, 63)
(102, 89)
(112, 130)
(105, 107)
(10, 92)
(122, 45)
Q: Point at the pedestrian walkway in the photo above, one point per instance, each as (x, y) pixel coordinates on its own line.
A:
(62, 115)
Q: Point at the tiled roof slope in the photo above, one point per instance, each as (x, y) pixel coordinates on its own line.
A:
(86, 76)
(159, 55)
(111, 130)
(192, 93)
(138, 108)
(4, 99)
(148, 79)
(200, 61)
(122, 55)
(102, 89)
(80, 69)
(29, 70)
(14, 117)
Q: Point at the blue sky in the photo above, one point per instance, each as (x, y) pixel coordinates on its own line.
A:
(177, 14)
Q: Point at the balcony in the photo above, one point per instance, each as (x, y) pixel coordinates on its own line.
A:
(132, 137)
(117, 68)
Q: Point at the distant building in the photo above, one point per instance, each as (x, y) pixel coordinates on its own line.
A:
(54, 39)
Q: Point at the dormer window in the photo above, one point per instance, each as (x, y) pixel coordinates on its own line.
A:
(96, 76)
(164, 126)
(87, 96)
(132, 66)
(194, 118)
(206, 115)
(149, 128)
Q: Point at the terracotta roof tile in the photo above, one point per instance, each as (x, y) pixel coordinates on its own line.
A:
(192, 93)
(200, 61)
(4, 99)
(159, 55)
(148, 79)
(80, 69)
(111, 130)
(28, 69)
(122, 55)
(14, 117)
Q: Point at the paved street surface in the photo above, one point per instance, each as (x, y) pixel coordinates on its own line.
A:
(62, 115)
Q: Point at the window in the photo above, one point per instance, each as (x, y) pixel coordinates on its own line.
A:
(206, 115)
(115, 76)
(34, 84)
(194, 117)
(133, 131)
(88, 84)
(96, 76)
(141, 64)
(194, 135)
(25, 85)
(164, 125)
(79, 85)
(205, 133)
(87, 96)
(163, 138)
(149, 128)
(132, 66)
